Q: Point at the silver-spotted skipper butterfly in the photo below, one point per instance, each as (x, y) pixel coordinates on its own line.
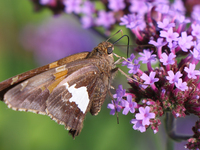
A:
(66, 89)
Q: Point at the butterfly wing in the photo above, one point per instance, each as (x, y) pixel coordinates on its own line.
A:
(65, 93)
(73, 97)
(11, 82)
(31, 94)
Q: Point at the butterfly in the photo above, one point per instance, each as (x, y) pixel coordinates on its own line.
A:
(66, 89)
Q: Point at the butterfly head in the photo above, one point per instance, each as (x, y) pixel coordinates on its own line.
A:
(106, 47)
(103, 49)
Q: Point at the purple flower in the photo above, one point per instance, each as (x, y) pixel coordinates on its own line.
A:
(196, 54)
(139, 7)
(89, 8)
(159, 42)
(138, 125)
(195, 30)
(120, 92)
(149, 79)
(87, 21)
(173, 78)
(192, 73)
(195, 13)
(130, 60)
(173, 45)
(114, 106)
(128, 105)
(197, 45)
(145, 115)
(72, 6)
(116, 5)
(162, 8)
(132, 21)
(165, 25)
(182, 19)
(181, 85)
(133, 67)
(105, 19)
(167, 59)
(178, 6)
(169, 35)
(147, 56)
(196, 51)
(185, 42)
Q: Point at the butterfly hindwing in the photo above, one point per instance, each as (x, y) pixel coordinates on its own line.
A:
(72, 98)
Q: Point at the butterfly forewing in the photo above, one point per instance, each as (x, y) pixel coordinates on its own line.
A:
(31, 94)
(11, 82)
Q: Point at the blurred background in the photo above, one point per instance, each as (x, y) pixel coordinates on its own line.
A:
(29, 40)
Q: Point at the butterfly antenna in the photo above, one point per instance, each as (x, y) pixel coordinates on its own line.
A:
(120, 31)
(127, 42)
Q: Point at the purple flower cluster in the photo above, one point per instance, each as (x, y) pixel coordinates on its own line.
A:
(144, 116)
(89, 15)
(174, 84)
(174, 48)
(125, 101)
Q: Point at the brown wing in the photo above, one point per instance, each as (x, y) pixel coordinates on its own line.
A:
(73, 97)
(11, 82)
(53, 92)
(31, 94)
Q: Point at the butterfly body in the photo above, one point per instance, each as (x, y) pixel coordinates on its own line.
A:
(66, 89)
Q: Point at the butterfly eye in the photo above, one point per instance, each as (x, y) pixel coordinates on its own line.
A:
(109, 50)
